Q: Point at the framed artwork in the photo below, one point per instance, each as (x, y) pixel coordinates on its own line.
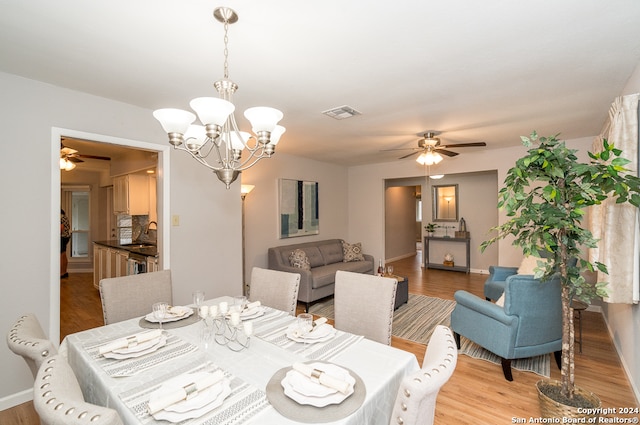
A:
(299, 213)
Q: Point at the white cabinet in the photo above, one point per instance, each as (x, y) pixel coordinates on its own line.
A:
(131, 194)
(108, 262)
(152, 264)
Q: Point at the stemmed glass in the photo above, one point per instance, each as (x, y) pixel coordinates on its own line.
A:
(160, 311)
(198, 298)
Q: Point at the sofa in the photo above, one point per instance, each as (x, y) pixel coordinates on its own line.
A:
(323, 259)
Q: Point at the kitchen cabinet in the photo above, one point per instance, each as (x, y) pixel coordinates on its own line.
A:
(152, 264)
(131, 194)
(108, 262)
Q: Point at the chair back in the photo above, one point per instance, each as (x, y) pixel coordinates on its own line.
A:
(132, 296)
(58, 399)
(27, 339)
(416, 400)
(275, 289)
(538, 305)
(364, 305)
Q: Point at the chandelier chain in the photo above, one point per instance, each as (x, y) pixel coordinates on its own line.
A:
(226, 49)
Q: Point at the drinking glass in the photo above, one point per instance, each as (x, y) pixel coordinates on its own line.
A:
(305, 324)
(390, 270)
(239, 303)
(160, 311)
(198, 298)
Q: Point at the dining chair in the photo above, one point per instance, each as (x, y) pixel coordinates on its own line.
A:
(416, 400)
(364, 305)
(132, 296)
(58, 399)
(275, 289)
(27, 339)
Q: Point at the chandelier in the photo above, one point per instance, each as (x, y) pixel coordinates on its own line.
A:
(218, 144)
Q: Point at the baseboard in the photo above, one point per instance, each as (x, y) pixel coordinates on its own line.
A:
(479, 271)
(12, 400)
(625, 367)
(400, 257)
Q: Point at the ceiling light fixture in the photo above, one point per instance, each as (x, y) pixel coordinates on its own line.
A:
(219, 133)
(429, 158)
(66, 165)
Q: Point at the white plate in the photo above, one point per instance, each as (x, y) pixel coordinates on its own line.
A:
(120, 356)
(178, 313)
(303, 392)
(203, 398)
(140, 347)
(165, 415)
(322, 333)
(253, 313)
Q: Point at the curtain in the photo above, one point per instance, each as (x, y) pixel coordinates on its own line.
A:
(616, 225)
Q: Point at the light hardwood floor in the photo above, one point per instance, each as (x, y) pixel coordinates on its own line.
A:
(477, 393)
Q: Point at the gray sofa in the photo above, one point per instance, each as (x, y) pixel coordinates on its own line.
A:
(325, 258)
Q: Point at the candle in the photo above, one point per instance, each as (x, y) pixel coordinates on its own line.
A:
(248, 328)
(203, 311)
(224, 307)
(235, 318)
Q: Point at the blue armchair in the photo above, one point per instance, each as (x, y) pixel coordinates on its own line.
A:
(494, 285)
(529, 324)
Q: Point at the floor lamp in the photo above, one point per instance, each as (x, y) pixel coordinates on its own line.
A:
(244, 191)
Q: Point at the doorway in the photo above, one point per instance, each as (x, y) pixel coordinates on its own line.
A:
(162, 175)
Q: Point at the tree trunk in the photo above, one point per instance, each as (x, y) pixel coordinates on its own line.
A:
(568, 364)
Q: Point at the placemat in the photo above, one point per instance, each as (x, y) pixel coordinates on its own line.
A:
(194, 318)
(311, 414)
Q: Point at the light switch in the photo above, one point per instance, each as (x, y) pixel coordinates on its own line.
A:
(175, 220)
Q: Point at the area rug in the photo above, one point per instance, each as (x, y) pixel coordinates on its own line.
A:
(417, 319)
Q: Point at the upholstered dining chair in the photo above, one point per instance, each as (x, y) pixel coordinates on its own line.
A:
(275, 289)
(27, 339)
(132, 296)
(364, 305)
(416, 400)
(58, 399)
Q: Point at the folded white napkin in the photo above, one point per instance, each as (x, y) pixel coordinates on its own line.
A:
(128, 341)
(319, 321)
(180, 393)
(322, 377)
(254, 304)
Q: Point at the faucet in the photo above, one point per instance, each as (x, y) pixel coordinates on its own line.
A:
(146, 232)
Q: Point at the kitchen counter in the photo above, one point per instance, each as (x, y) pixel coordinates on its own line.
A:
(134, 248)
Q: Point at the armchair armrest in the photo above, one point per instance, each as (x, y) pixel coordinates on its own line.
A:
(486, 308)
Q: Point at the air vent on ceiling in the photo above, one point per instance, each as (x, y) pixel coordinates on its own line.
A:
(342, 112)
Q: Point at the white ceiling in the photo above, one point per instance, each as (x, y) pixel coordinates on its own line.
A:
(487, 70)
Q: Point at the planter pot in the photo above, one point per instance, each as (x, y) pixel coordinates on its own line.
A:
(550, 408)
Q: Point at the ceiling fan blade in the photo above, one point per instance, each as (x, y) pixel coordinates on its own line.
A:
(74, 158)
(411, 154)
(400, 149)
(463, 145)
(104, 158)
(446, 152)
(67, 151)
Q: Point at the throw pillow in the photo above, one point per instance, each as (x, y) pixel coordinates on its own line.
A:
(529, 263)
(298, 258)
(352, 252)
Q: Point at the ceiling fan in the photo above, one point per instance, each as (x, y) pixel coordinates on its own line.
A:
(69, 157)
(430, 148)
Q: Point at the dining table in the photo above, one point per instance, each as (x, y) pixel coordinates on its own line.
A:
(254, 371)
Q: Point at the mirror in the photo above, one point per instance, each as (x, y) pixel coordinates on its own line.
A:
(299, 215)
(445, 203)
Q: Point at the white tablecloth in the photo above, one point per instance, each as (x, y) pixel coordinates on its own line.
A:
(381, 368)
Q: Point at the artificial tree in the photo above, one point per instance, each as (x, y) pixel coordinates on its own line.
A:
(544, 196)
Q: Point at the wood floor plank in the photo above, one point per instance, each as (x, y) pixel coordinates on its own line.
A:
(477, 393)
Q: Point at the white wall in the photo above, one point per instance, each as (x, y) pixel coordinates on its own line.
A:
(205, 248)
(261, 205)
(623, 320)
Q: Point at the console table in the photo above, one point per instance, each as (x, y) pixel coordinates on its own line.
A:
(430, 265)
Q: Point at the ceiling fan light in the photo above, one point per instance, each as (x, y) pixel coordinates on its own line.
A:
(436, 158)
(212, 110)
(66, 165)
(263, 118)
(174, 120)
